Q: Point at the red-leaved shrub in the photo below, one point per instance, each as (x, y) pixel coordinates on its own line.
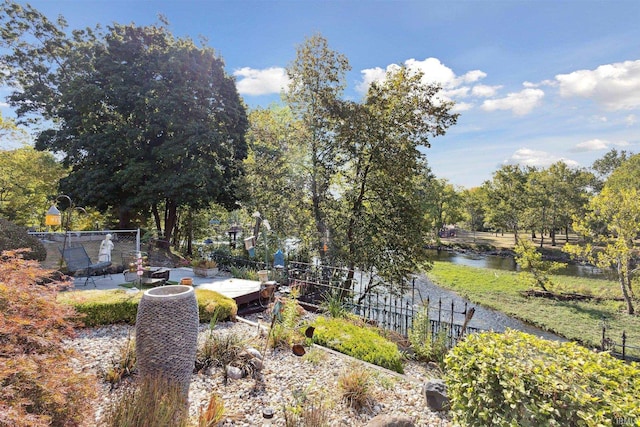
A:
(38, 383)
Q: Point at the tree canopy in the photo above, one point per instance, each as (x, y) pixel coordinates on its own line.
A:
(146, 121)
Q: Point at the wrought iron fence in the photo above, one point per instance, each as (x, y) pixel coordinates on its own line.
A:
(389, 306)
(621, 348)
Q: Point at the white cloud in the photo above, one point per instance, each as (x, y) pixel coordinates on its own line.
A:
(535, 158)
(4, 105)
(631, 120)
(484, 91)
(371, 75)
(261, 82)
(614, 86)
(597, 144)
(461, 106)
(432, 69)
(520, 103)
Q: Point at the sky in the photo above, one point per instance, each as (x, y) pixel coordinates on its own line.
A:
(534, 82)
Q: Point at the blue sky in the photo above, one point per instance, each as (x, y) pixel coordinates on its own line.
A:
(534, 81)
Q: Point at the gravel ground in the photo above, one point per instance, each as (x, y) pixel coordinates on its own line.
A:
(284, 375)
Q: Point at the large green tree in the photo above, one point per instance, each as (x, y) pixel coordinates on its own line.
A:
(507, 198)
(28, 180)
(383, 219)
(611, 225)
(316, 82)
(276, 180)
(146, 121)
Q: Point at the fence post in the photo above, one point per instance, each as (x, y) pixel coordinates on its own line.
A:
(439, 309)
(604, 332)
(138, 240)
(451, 324)
(624, 344)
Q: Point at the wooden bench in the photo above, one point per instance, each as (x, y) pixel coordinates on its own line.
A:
(79, 263)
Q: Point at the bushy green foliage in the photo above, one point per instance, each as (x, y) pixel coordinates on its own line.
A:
(111, 306)
(517, 379)
(38, 383)
(359, 341)
(533, 269)
(15, 237)
(286, 330)
(244, 273)
(425, 346)
(213, 305)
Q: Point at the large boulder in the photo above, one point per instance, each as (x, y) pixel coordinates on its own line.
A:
(435, 391)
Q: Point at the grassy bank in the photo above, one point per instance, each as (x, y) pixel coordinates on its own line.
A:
(576, 320)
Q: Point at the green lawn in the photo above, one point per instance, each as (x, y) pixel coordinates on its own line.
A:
(576, 320)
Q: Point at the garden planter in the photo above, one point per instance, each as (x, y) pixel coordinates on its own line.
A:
(263, 275)
(205, 272)
(167, 334)
(187, 281)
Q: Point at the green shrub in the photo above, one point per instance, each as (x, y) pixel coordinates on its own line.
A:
(286, 330)
(517, 379)
(212, 304)
(244, 273)
(39, 383)
(111, 306)
(106, 307)
(15, 237)
(359, 341)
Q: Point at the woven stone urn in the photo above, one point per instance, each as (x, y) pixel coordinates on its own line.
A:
(167, 334)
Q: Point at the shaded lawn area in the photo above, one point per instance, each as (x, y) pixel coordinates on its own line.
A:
(579, 321)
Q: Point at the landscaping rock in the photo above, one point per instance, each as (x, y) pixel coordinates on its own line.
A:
(253, 352)
(234, 373)
(435, 391)
(390, 421)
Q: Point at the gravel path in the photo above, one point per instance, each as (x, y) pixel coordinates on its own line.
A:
(284, 375)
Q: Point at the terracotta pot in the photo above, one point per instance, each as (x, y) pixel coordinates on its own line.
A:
(186, 281)
(298, 350)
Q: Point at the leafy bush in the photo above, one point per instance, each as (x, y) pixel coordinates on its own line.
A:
(38, 383)
(285, 331)
(359, 341)
(244, 273)
(15, 237)
(518, 379)
(98, 307)
(424, 345)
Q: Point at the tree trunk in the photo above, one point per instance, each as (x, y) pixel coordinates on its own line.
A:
(171, 214)
(623, 285)
(156, 217)
(124, 218)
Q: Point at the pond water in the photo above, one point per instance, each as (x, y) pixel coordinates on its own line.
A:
(509, 263)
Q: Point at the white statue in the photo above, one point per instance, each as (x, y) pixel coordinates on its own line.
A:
(106, 246)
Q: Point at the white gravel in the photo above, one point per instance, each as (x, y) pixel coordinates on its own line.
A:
(284, 375)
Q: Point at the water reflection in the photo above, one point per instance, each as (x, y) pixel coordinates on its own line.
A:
(509, 264)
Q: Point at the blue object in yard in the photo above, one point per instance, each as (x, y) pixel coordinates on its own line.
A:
(252, 252)
(278, 259)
